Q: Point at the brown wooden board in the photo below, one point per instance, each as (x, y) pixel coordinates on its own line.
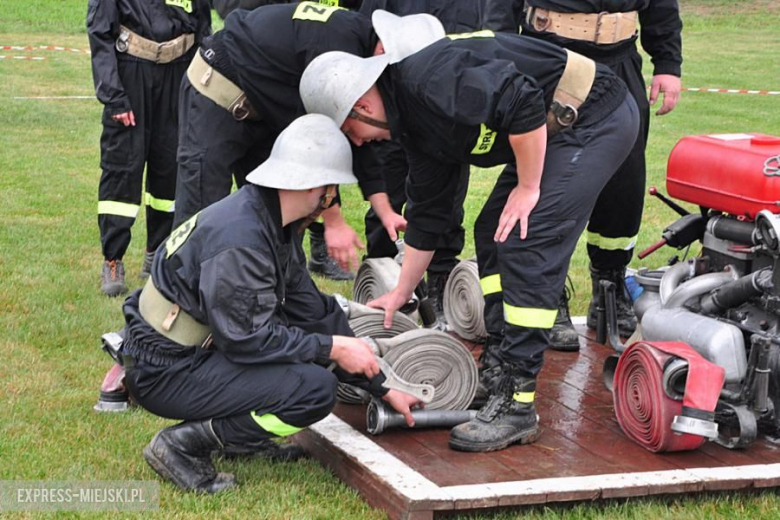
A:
(582, 454)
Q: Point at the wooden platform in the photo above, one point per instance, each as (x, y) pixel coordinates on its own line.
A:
(581, 455)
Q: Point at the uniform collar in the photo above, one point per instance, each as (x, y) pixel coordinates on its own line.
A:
(271, 204)
(387, 93)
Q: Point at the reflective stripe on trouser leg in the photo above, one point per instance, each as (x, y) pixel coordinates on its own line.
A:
(272, 424)
(524, 397)
(161, 158)
(618, 210)
(533, 270)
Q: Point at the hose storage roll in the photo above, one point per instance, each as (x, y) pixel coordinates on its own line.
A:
(464, 304)
(366, 321)
(375, 277)
(659, 418)
(435, 358)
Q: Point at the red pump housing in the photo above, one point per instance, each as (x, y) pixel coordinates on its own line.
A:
(737, 174)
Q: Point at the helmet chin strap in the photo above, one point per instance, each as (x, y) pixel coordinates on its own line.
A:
(368, 120)
(325, 201)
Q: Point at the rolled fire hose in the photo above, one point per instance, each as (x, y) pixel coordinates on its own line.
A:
(369, 322)
(375, 277)
(648, 405)
(435, 358)
(464, 304)
(380, 417)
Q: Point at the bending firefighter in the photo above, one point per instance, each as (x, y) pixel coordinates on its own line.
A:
(230, 333)
(562, 123)
(606, 32)
(140, 52)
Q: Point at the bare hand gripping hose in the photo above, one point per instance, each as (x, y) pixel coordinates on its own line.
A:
(464, 304)
(380, 417)
(375, 277)
(366, 321)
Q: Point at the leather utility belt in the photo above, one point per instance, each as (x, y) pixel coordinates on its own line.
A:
(570, 93)
(215, 86)
(145, 49)
(170, 321)
(599, 28)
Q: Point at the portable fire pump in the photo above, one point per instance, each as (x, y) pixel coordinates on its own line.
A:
(705, 360)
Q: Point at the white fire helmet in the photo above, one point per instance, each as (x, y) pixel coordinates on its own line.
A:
(311, 152)
(334, 81)
(402, 36)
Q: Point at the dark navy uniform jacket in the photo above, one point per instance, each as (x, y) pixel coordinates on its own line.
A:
(458, 100)
(233, 267)
(268, 49)
(660, 32)
(159, 21)
(455, 15)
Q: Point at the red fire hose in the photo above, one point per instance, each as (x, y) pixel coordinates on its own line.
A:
(644, 410)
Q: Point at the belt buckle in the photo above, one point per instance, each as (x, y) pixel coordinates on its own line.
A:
(597, 32)
(121, 42)
(539, 21)
(566, 115)
(239, 109)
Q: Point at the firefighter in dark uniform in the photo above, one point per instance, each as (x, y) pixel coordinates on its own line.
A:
(242, 90)
(563, 123)
(606, 32)
(456, 16)
(230, 333)
(140, 51)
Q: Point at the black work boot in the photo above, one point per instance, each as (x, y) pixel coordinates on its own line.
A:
(182, 455)
(509, 417)
(320, 262)
(265, 449)
(625, 312)
(563, 336)
(112, 278)
(436, 284)
(146, 267)
(489, 370)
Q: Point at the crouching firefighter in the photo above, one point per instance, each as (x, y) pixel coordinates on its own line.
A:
(230, 333)
(560, 122)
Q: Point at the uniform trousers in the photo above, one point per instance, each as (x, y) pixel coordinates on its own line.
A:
(522, 280)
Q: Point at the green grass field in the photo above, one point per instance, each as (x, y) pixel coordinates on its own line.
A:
(52, 312)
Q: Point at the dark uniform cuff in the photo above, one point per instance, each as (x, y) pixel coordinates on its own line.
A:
(372, 187)
(375, 387)
(326, 345)
(119, 107)
(420, 239)
(667, 67)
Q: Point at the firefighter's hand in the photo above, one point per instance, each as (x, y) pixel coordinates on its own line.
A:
(518, 208)
(126, 118)
(393, 223)
(403, 404)
(354, 356)
(390, 302)
(670, 86)
(343, 244)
